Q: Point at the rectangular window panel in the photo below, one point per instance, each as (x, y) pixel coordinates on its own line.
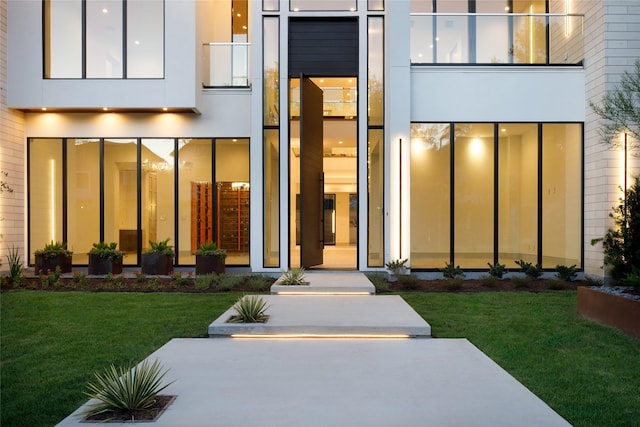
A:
(473, 195)
(196, 201)
(104, 28)
(376, 72)
(145, 38)
(492, 39)
(271, 198)
(430, 195)
(529, 40)
(271, 71)
(157, 195)
(375, 4)
(561, 194)
(63, 39)
(270, 5)
(319, 5)
(121, 196)
(517, 193)
(375, 208)
(45, 193)
(422, 46)
(83, 196)
(233, 189)
(452, 39)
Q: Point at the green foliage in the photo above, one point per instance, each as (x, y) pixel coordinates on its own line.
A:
(210, 248)
(106, 250)
(521, 282)
(53, 249)
(568, 274)
(206, 281)
(125, 389)
(453, 284)
(451, 272)
(530, 270)
(181, 279)
(593, 281)
(140, 277)
(228, 282)
(295, 276)
(3, 184)
(555, 284)
(632, 279)
(621, 245)
(497, 270)
(15, 266)
(258, 282)
(620, 111)
(408, 281)
(161, 247)
(51, 278)
(80, 278)
(488, 281)
(379, 282)
(397, 266)
(250, 309)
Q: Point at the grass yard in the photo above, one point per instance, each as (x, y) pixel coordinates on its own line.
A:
(52, 342)
(586, 372)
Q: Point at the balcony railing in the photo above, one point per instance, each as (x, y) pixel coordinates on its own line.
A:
(513, 38)
(336, 102)
(226, 64)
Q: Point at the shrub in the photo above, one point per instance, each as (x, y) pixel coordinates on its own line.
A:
(258, 282)
(250, 309)
(125, 389)
(568, 274)
(295, 276)
(632, 279)
(451, 272)
(210, 248)
(379, 282)
(408, 281)
(488, 281)
(397, 266)
(106, 250)
(453, 284)
(15, 266)
(530, 270)
(621, 245)
(593, 281)
(497, 270)
(227, 282)
(556, 284)
(521, 282)
(180, 279)
(53, 249)
(161, 247)
(206, 281)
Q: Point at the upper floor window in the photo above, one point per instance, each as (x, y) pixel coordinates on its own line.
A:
(320, 5)
(92, 39)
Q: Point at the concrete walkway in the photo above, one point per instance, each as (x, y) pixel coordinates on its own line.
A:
(339, 381)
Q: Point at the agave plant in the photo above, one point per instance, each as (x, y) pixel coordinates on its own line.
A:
(250, 309)
(121, 389)
(295, 276)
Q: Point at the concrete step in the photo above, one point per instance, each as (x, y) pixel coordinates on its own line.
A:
(328, 282)
(329, 316)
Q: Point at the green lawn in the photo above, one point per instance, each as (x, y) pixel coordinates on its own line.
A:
(53, 341)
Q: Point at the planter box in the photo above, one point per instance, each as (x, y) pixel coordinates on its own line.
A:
(104, 265)
(612, 310)
(207, 264)
(45, 264)
(157, 264)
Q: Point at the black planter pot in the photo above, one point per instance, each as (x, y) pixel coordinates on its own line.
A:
(157, 264)
(45, 264)
(104, 265)
(207, 264)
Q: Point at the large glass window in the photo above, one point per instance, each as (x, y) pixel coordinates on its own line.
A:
(430, 195)
(196, 196)
(83, 196)
(375, 162)
(271, 72)
(517, 193)
(561, 194)
(121, 196)
(271, 198)
(63, 39)
(45, 193)
(112, 42)
(157, 194)
(473, 195)
(232, 199)
(376, 72)
(318, 5)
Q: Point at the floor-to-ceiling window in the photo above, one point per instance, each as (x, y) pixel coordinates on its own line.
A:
(135, 190)
(494, 194)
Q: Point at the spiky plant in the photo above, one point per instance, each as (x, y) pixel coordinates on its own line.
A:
(250, 309)
(295, 276)
(15, 265)
(122, 389)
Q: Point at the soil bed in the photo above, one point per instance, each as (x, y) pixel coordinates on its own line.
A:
(148, 414)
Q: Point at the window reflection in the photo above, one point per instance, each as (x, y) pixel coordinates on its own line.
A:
(145, 35)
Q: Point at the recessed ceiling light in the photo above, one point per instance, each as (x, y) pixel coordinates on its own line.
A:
(244, 27)
(295, 9)
(105, 109)
(165, 109)
(503, 130)
(44, 108)
(105, 10)
(136, 42)
(238, 15)
(339, 142)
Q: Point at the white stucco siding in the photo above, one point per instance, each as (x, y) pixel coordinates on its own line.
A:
(510, 94)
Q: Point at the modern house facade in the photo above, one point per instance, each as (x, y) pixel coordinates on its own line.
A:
(337, 134)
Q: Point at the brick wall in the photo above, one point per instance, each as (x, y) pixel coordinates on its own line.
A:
(612, 44)
(12, 158)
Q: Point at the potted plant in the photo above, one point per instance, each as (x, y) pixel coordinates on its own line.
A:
(158, 260)
(53, 255)
(210, 259)
(104, 258)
